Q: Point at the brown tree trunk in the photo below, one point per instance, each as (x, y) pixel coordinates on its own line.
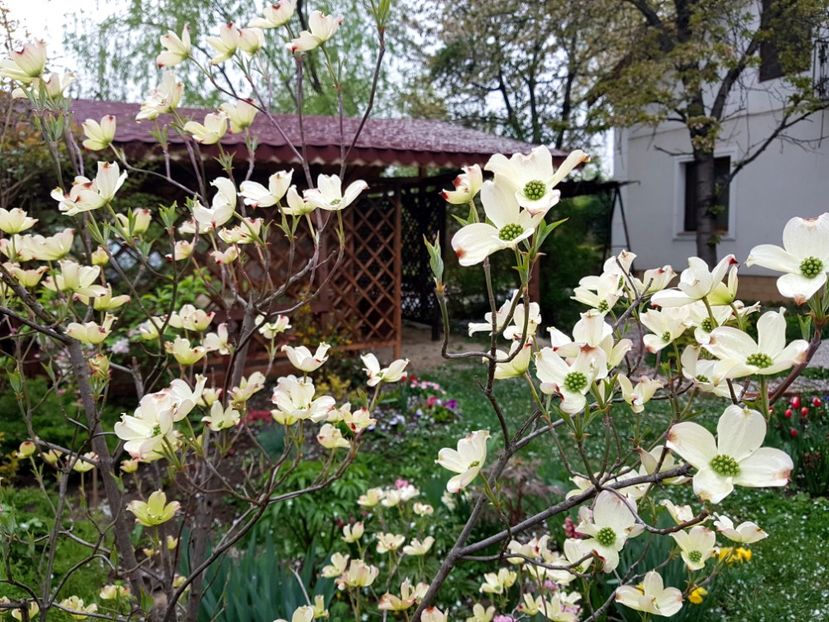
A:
(705, 197)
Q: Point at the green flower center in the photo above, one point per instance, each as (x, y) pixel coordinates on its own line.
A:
(157, 430)
(604, 307)
(725, 466)
(606, 536)
(702, 378)
(695, 556)
(575, 381)
(666, 336)
(759, 360)
(811, 267)
(510, 232)
(534, 189)
(336, 201)
(708, 324)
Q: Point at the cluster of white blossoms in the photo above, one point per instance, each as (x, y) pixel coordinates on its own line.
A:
(697, 333)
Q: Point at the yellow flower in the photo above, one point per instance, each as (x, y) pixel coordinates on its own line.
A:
(155, 511)
(697, 595)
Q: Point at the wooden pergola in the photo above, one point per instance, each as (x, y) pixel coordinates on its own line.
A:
(384, 275)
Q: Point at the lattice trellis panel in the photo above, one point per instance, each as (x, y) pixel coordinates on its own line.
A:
(365, 293)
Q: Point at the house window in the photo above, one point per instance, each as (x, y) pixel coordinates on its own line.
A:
(787, 47)
(722, 168)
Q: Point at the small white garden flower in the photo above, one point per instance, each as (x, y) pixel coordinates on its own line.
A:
(498, 583)
(467, 185)
(466, 461)
(418, 547)
(600, 292)
(666, 326)
(611, 525)
(393, 373)
(275, 14)
(697, 282)
(241, 114)
(734, 458)
(25, 64)
(176, 48)
(165, 98)
(294, 400)
(745, 533)
(211, 131)
(303, 360)
(696, 546)
(639, 395)
(532, 178)
(389, 542)
(321, 28)
(99, 135)
(330, 437)
(328, 195)
(221, 418)
(804, 257)
(256, 195)
(573, 380)
(15, 220)
(508, 225)
(352, 533)
(651, 596)
(225, 44)
(741, 356)
(91, 333)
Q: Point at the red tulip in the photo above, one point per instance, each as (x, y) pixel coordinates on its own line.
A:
(804, 412)
(816, 402)
(795, 401)
(793, 433)
(788, 414)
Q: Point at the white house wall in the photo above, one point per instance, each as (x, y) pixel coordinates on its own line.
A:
(786, 180)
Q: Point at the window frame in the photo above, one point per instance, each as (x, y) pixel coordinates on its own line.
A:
(680, 167)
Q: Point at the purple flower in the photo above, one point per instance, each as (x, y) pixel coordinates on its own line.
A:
(503, 618)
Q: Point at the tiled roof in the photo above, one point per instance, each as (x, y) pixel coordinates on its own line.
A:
(383, 142)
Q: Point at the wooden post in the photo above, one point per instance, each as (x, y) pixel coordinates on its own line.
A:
(398, 273)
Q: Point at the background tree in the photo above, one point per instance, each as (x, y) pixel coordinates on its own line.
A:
(523, 69)
(114, 71)
(692, 62)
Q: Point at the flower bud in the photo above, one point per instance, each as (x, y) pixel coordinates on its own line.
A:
(26, 449)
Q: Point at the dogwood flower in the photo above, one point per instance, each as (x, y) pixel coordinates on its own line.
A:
(211, 132)
(352, 533)
(371, 498)
(697, 282)
(666, 325)
(225, 44)
(114, 591)
(734, 458)
(155, 511)
(600, 292)
(804, 258)
(86, 462)
(165, 98)
(433, 614)
(532, 178)
(183, 352)
(519, 364)
(27, 278)
(639, 395)
(328, 195)
(573, 380)
(302, 359)
(705, 374)
(479, 614)
(389, 542)
(218, 341)
(679, 513)
(409, 595)
(222, 207)
(498, 583)
(270, 330)
(136, 223)
(294, 400)
(86, 195)
(77, 609)
(467, 185)
(703, 321)
(91, 333)
(330, 437)
(176, 48)
(359, 574)
(745, 533)
(561, 607)
(321, 28)
(25, 64)
(256, 195)
(696, 546)
(418, 547)
(99, 135)
(15, 220)
(297, 206)
(612, 523)
(393, 373)
(190, 318)
(305, 613)
(508, 225)
(466, 461)
(651, 596)
(182, 250)
(227, 256)
(248, 386)
(740, 355)
(358, 420)
(240, 114)
(221, 418)
(339, 563)
(275, 15)
(78, 279)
